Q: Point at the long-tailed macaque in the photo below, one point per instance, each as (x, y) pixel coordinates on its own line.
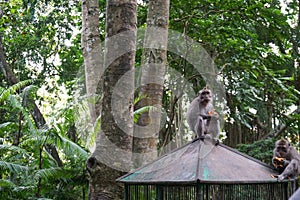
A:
(286, 160)
(201, 117)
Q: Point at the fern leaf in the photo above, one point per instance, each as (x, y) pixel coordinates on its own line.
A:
(13, 149)
(6, 183)
(46, 174)
(5, 93)
(12, 167)
(16, 104)
(140, 111)
(72, 148)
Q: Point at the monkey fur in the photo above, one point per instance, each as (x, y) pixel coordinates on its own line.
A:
(286, 160)
(201, 117)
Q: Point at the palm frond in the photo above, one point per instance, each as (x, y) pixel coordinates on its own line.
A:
(17, 104)
(28, 95)
(12, 167)
(13, 148)
(24, 188)
(8, 125)
(138, 98)
(51, 173)
(72, 148)
(5, 93)
(34, 140)
(140, 111)
(6, 183)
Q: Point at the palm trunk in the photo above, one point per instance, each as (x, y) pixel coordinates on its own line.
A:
(151, 82)
(114, 141)
(91, 49)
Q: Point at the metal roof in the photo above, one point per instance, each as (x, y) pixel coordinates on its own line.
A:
(201, 161)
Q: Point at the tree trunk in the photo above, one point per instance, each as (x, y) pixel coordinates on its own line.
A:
(151, 80)
(114, 141)
(7, 70)
(91, 49)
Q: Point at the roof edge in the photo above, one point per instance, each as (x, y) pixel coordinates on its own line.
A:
(246, 156)
(201, 182)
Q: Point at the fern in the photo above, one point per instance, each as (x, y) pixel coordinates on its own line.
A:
(5, 93)
(51, 173)
(137, 113)
(15, 149)
(15, 103)
(72, 148)
(20, 165)
(6, 183)
(12, 167)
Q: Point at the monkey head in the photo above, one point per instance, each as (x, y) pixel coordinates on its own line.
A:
(282, 148)
(205, 96)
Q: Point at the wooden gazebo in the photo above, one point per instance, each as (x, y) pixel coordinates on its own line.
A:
(202, 171)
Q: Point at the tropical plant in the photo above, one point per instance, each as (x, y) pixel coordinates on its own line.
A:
(28, 169)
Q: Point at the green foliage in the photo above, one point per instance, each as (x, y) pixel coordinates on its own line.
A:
(25, 160)
(37, 38)
(5, 93)
(251, 43)
(261, 150)
(38, 35)
(138, 112)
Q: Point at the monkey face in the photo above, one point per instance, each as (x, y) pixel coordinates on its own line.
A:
(282, 151)
(282, 148)
(205, 96)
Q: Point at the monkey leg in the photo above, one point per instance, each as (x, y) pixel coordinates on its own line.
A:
(200, 128)
(291, 171)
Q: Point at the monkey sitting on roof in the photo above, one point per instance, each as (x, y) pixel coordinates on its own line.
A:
(202, 118)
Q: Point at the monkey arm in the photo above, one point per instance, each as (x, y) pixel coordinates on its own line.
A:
(216, 116)
(286, 163)
(205, 116)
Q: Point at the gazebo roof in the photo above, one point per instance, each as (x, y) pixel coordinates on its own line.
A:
(202, 162)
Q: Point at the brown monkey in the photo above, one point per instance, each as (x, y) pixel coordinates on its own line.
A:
(286, 160)
(201, 117)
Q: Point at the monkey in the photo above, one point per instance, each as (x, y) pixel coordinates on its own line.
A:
(286, 160)
(201, 117)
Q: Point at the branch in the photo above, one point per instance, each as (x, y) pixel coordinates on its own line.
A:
(40, 123)
(283, 127)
